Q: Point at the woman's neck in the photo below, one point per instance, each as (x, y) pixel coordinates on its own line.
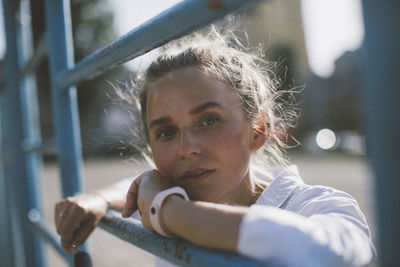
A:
(246, 193)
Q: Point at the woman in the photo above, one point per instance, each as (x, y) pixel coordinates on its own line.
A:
(208, 109)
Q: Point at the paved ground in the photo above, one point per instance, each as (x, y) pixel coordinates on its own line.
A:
(344, 172)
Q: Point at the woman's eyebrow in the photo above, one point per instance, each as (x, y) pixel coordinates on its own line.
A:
(196, 110)
(159, 121)
(203, 107)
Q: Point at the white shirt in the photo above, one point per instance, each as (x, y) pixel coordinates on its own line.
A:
(294, 224)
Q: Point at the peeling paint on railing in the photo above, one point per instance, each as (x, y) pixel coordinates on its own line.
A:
(175, 250)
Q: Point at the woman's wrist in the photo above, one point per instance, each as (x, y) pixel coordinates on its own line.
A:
(113, 197)
(157, 205)
(104, 198)
(173, 204)
(204, 224)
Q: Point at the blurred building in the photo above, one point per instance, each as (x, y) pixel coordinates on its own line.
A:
(277, 24)
(335, 102)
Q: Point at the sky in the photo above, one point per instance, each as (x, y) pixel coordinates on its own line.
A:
(331, 27)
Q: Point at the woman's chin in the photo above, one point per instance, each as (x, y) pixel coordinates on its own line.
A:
(197, 195)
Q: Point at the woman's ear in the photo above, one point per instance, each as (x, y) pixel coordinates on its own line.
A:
(260, 132)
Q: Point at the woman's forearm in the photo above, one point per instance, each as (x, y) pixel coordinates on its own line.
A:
(205, 224)
(115, 196)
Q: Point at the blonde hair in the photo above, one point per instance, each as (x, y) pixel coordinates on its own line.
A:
(245, 70)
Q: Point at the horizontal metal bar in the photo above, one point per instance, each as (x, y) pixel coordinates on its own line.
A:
(175, 250)
(46, 234)
(47, 148)
(40, 53)
(172, 23)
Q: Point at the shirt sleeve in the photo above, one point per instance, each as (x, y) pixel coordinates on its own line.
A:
(328, 230)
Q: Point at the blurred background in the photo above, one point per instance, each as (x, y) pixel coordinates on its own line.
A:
(317, 46)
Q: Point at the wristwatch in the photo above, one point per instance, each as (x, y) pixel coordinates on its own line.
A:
(156, 205)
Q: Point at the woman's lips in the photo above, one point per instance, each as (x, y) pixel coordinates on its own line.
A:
(196, 175)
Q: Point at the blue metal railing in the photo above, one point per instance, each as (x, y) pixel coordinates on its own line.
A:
(20, 122)
(24, 148)
(151, 34)
(39, 225)
(382, 95)
(39, 55)
(177, 251)
(5, 223)
(21, 146)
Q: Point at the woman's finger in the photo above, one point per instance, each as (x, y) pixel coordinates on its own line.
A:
(60, 212)
(131, 198)
(74, 215)
(68, 246)
(146, 223)
(83, 233)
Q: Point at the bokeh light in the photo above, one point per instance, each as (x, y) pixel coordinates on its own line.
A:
(326, 139)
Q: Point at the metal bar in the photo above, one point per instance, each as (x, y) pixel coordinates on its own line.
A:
(177, 251)
(37, 224)
(48, 147)
(172, 23)
(382, 91)
(11, 133)
(6, 251)
(31, 128)
(65, 105)
(37, 58)
(20, 171)
(82, 259)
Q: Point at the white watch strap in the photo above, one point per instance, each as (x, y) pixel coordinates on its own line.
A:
(156, 205)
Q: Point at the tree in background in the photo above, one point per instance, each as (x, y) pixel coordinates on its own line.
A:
(92, 23)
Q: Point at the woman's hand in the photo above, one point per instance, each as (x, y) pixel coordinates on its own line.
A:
(142, 192)
(76, 217)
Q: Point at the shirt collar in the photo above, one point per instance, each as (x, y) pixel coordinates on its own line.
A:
(285, 181)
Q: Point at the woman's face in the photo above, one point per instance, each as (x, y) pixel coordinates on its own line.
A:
(199, 136)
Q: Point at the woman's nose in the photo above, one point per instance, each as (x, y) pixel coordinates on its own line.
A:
(189, 146)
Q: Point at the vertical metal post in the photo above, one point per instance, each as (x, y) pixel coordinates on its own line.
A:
(64, 100)
(382, 84)
(30, 121)
(6, 250)
(19, 170)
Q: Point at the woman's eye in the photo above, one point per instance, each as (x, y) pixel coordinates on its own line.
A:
(166, 133)
(210, 121)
